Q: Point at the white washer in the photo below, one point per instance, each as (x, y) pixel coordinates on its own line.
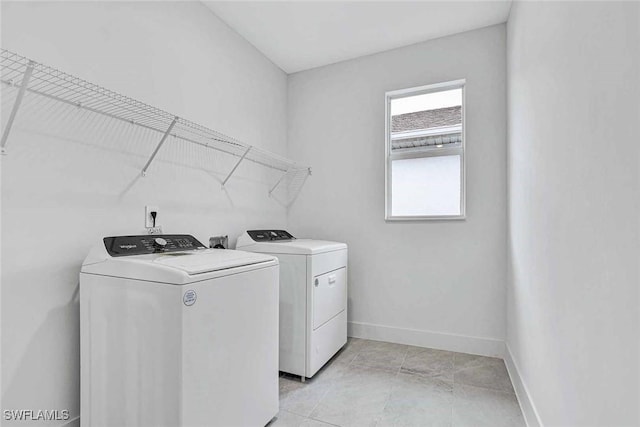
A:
(313, 297)
(174, 334)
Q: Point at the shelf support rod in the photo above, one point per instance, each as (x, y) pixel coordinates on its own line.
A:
(278, 183)
(16, 105)
(164, 138)
(236, 166)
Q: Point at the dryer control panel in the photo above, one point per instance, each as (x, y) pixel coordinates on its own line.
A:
(269, 235)
(150, 244)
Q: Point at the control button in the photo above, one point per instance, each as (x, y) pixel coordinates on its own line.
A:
(159, 242)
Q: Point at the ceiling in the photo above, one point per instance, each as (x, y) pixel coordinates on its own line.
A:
(298, 35)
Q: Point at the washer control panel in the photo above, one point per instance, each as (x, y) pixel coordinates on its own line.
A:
(150, 244)
(269, 235)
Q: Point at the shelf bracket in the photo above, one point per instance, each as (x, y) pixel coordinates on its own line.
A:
(16, 105)
(164, 138)
(278, 183)
(236, 166)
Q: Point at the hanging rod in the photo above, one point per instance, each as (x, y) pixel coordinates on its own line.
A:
(31, 77)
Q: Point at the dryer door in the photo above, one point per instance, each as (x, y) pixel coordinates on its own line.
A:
(329, 296)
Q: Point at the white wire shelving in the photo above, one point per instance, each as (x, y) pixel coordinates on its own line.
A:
(26, 77)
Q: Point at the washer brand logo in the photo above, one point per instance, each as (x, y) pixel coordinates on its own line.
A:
(189, 297)
(128, 246)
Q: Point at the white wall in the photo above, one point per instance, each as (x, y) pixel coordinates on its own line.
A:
(573, 211)
(60, 196)
(440, 283)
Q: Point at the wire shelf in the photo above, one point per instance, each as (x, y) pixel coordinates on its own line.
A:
(25, 78)
(286, 190)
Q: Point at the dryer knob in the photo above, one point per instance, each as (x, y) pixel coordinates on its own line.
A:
(160, 242)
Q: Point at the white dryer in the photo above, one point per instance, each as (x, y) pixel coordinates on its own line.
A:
(313, 297)
(174, 334)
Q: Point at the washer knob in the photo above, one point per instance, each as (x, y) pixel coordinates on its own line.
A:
(159, 242)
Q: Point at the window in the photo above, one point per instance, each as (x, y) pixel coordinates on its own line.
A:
(425, 152)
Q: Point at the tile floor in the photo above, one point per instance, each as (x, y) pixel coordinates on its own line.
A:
(374, 383)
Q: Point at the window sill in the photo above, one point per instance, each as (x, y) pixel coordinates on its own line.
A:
(426, 218)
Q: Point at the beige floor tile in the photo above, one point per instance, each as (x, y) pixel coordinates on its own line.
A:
(418, 401)
(428, 362)
(357, 398)
(287, 419)
(334, 368)
(372, 383)
(315, 423)
(480, 371)
(479, 407)
(381, 355)
(301, 398)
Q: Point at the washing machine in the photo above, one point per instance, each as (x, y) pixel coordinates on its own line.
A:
(313, 297)
(175, 334)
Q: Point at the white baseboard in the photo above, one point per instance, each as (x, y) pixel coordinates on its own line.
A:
(531, 416)
(438, 340)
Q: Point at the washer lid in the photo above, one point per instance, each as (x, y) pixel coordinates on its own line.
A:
(198, 262)
(296, 247)
(178, 267)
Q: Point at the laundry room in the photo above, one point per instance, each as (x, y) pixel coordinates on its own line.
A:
(320, 213)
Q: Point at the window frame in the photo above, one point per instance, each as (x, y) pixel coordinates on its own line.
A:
(414, 154)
